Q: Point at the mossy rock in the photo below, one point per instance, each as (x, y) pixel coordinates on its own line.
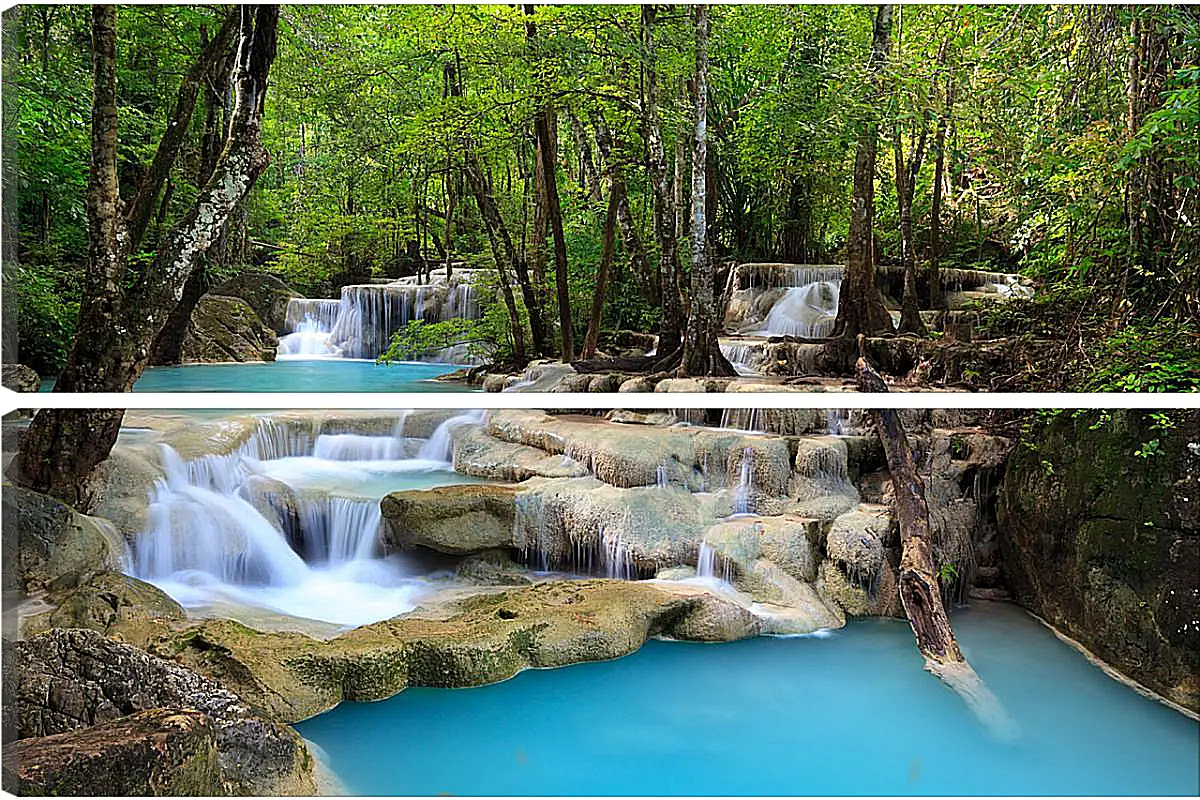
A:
(1100, 538)
(223, 329)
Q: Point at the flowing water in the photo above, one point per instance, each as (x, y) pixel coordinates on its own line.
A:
(851, 712)
(361, 323)
(316, 375)
(290, 523)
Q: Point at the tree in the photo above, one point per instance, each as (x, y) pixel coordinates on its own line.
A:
(118, 323)
(861, 309)
(701, 350)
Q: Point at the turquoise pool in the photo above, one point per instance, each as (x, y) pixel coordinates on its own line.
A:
(853, 713)
(296, 375)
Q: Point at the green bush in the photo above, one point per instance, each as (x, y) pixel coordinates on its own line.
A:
(46, 315)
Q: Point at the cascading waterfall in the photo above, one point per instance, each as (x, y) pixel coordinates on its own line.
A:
(249, 528)
(662, 477)
(440, 446)
(808, 311)
(599, 552)
(362, 322)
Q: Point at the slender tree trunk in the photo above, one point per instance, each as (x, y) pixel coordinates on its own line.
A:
(140, 209)
(117, 326)
(861, 309)
(630, 237)
(502, 248)
(606, 256)
(545, 129)
(554, 211)
(701, 351)
(671, 328)
(531, 289)
(937, 299)
(910, 312)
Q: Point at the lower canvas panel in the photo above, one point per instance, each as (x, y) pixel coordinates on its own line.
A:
(283, 562)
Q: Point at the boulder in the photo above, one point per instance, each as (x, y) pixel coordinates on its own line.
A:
(461, 519)
(267, 295)
(49, 545)
(471, 641)
(160, 752)
(105, 600)
(480, 454)
(70, 680)
(223, 329)
(20, 378)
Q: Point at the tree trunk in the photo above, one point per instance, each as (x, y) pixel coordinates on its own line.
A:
(701, 351)
(937, 299)
(554, 212)
(606, 255)
(502, 248)
(630, 237)
(117, 326)
(671, 327)
(910, 312)
(918, 581)
(138, 212)
(861, 308)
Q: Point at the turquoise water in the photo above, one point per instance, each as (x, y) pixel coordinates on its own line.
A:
(850, 714)
(311, 375)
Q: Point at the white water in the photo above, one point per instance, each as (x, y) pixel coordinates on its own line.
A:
(807, 311)
(440, 446)
(362, 322)
(708, 562)
(272, 527)
(743, 496)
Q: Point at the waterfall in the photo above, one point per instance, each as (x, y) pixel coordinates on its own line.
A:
(356, 447)
(256, 528)
(440, 446)
(662, 477)
(615, 558)
(338, 530)
(707, 562)
(807, 311)
(743, 500)
(362, 322)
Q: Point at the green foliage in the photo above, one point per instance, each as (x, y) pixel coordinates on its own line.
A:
(1163, 356)
(947, 573)
(45, 318)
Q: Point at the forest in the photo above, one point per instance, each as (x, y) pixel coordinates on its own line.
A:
(606, 168)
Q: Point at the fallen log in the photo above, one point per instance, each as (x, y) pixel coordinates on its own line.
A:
(918, 582)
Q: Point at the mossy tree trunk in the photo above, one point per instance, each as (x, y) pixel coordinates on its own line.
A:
(701, 350)
(118, 323)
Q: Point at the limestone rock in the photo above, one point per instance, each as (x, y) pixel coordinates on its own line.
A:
(159, 752)
(106, 599)
(264, 293)
(484, 456)
(20, 378)
(225, 329)
(460, 519)
(49, 545)
(1103, 542)
(70, 679)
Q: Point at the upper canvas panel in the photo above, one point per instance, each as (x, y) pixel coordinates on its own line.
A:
(600, 198)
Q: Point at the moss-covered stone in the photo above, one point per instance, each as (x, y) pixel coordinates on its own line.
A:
(226, 329)
(1100, 537)
(264, 293)
(160, 752)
